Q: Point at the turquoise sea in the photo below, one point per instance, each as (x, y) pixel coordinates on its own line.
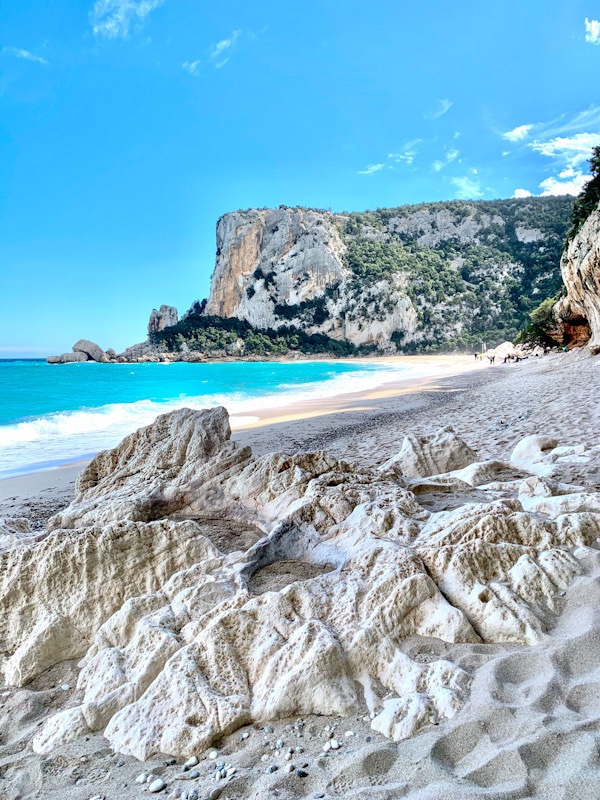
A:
(50, 414)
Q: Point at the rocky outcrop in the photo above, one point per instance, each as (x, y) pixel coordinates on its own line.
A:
(165, 317)
(166, 572)
(83, 350)
(93, 351)
(369, 278)
(579, 311)
(67, 358)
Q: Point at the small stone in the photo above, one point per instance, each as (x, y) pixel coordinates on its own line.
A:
(268, 729)
(264, 757)
(120, 763)
(171, 762)
(150, 777)
(272, 768)
(213, 754)
(335, 745)
(193, 795)
(348, 734)
(301, 773)
(220, 764)
(288, 756)
(65, 687)
(279, 744)
(327, 747)
(244, 735)
(141, 778)
(289, 767)
(215, 793)
(318, 796)
(191, 762)
(157, 785)
(194, 774)
(230, 771)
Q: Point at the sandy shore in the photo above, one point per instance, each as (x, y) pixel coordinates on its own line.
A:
(531, 727)
(38, 495)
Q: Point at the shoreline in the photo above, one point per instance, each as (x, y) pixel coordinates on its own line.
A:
(443, 366)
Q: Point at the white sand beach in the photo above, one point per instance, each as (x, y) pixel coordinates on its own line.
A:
(530, 726)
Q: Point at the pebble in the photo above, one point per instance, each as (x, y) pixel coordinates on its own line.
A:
(289, 767)
(156, 786)
(141, 778)
(318, 796)
(272, 768)
(65, 687)
(288, 756)
(194, 774)
(191, 762)
(215, 793)
(347, 735)
(171, 762)
(213, 754)
(220, 764)
(264, 757)
(301, 773)
(335, 745)
(120, 763)
(279, 744)
(327, 747)
(230, 771)
(244, 735)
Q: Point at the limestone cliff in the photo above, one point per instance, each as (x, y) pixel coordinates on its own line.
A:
(579, 311)
(434, 275)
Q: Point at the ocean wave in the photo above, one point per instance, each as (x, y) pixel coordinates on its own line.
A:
(67, 435)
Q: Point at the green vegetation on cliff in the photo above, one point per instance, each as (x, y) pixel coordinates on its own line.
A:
(473, 270)
(220, 336)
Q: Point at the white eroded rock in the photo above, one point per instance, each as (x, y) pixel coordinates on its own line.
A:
(346, 564)
(420, 457)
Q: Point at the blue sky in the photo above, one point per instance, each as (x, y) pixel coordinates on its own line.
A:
(130, 126)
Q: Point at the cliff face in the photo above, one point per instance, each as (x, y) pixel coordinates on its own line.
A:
(271, 256)
(579, 311)
(431, 275)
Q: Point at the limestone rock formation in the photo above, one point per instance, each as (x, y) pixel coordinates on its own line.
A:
(83, 350)
(579, 311)
(369, 278)
(207, 588)
(444, 451)
(93, 351)
(67, 358)
(163, 318)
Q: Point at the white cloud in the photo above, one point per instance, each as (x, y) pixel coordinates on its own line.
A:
(555, 186)
(219, 53)
(371, 168)
(570, 154)
(442, 107)
(467, 188)
(522, 193)
(518, 133)
(408, 154)
(112, 19)
(193, 67)
(592, 31)
(451, 155)
(18, 52)
(574, 150)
